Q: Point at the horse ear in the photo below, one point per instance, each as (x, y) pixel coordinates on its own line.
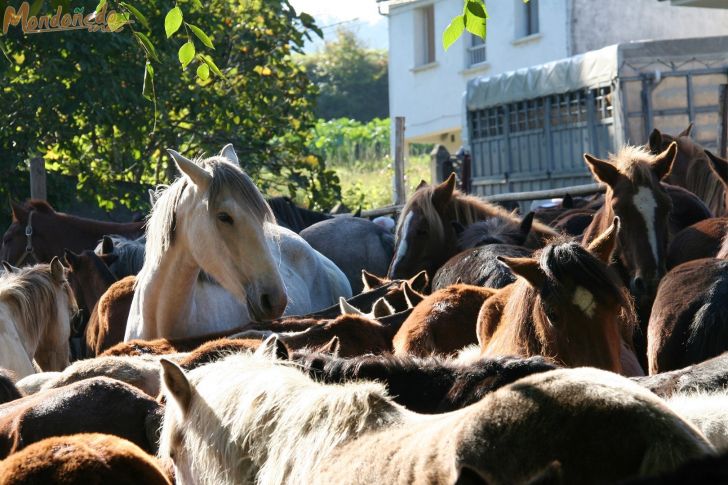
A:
(655, 141)
(526, 224)
(107, 245)
(20, 213)
(358, 212)
(421, 184)
(228, 151)
(567, 202)
(412, 297)
(176, 385)
(333, 347)
(459, 280)
(152, 197)
(687, 131)
(272, 348)
(9, 267)
(419, 281)
(109, 259)
(719, 165)
(442, 194)
(71, 258)
(347, 308)
(382, 308)
(603, 171)
(603, 246)
(663, 163)
(58, 272)
(459, 228)
(194, 172)
(371, 281)
(526, 268)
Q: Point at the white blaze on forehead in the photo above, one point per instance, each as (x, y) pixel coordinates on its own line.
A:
(584, 299)
(402, 247)
(645, 202)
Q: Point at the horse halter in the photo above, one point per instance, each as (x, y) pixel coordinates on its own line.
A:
(28, 243)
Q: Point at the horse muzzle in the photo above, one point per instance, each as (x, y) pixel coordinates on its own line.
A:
(267, 304)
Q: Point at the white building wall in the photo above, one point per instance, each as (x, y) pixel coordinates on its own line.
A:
(430, 97)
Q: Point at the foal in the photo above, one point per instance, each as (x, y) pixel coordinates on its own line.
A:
(566, 305)
(36, 306)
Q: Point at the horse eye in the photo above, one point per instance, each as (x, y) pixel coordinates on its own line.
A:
(225, 217)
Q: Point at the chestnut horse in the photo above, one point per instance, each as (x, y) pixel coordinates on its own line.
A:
(566, 305)
(442, 323)
(692, 168)
(38, 233)
(689, 321)
(701, 240)
(82, 458)
(425, 237)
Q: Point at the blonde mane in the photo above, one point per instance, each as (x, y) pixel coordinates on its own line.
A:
(467, 210)
(269, 423)
(635, 163)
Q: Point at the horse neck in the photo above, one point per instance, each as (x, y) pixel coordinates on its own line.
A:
(94, 284)
(602, 219)
(53, 348)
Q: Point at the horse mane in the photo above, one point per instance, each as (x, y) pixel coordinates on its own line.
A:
(723, 252)
(560, 261)
(467, 209)
(501, 230)
(130, 255)
(161, 222)
(31, 294)
(251, 410)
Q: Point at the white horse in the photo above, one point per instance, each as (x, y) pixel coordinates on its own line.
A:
(708, 411)
(251, 419)
(214, 219)
(36, 307)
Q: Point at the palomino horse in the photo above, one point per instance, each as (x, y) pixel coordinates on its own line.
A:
(566, 305)
(38, 233)
(635, 195)
(425, 237)
(36, 307)
(692, 168)
(689, 321)
(250, 419)
(86, 458)
(214, 219)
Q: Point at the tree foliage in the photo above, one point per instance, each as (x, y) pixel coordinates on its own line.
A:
(474, 19)
(352, 79)
(104, 106)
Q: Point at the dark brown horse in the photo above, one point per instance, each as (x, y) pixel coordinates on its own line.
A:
(493, 231)
(692, 168)
(479, 266)
(689, 321)
(425, 237)
(566, 305)
(82, 458)
(38, 233)
(442, 323)
(710, 376)
(8, 391)
(701, 240)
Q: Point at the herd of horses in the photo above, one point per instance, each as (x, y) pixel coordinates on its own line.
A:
(233, 339)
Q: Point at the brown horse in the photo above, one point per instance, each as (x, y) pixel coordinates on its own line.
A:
(701, 240)
(709, 377)
(567, 305)
(493, 231)
(107, 322)
(479, 266)
(38, 233)
(8, 391)
(442, 323)
(82, 458)
(692, 168)
(425, 237)
(689, 321)
(97, 405)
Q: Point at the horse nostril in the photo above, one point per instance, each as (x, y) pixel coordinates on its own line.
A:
(638, 284)
(266, 304)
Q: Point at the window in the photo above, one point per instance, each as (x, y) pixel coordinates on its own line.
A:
(526, 18)
(476, 51)
(424, 35)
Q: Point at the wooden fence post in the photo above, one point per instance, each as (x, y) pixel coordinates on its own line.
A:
(723, 121)
(38, 179)
(399, 191)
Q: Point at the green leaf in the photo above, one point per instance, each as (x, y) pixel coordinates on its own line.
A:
(477, 8)
(100, 6)
(148, 88)
(147, 45)
(201, 35)
(475, 25)
(203, 72)
(186, 53)
(173, 21)
(208, 60)
(453, 31)
(117, 21)
(139, 16)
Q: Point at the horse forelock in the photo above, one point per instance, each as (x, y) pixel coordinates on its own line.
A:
(272, 420)
(160, 228)
(635, 163)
